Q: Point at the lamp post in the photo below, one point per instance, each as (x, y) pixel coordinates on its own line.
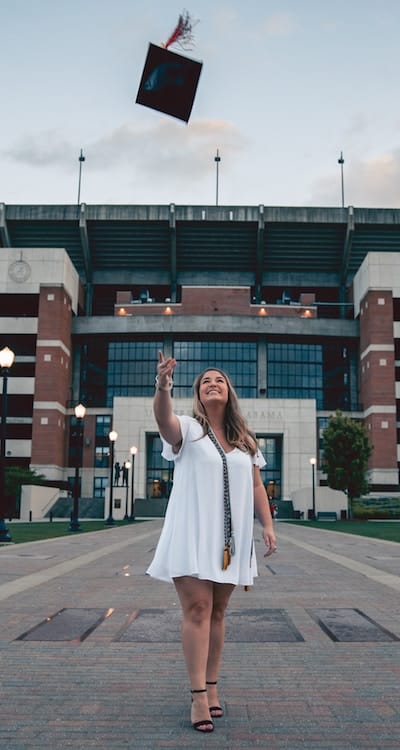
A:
(112, 436)
(133, 451)
(80, 411)
(313, 461)
(7, 357)
(127, 466)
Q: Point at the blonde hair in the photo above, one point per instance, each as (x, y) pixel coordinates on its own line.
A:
(237, 431)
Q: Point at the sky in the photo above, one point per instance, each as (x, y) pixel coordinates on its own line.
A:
(284, 89)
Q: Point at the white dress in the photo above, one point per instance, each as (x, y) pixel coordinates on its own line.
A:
(192, 539)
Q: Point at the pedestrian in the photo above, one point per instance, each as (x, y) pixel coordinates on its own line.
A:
(206, 545)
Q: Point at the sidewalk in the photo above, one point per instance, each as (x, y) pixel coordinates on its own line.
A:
(311, 659)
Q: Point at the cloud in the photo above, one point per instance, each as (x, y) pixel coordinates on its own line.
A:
(41, 150)
(163, 150)
(371, 183)
(170, 149)
(279, 24)
(358, 126)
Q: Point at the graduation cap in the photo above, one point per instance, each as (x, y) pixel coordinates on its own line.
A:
(169, 81)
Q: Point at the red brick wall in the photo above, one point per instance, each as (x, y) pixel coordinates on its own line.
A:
(52, 377)
(377, 376)
(214, 300)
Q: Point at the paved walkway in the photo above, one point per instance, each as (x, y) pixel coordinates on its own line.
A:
(108, 672)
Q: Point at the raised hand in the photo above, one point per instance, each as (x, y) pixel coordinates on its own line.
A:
(165, 370)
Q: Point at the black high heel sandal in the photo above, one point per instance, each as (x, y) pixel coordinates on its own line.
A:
(205, 725)
(213, 709)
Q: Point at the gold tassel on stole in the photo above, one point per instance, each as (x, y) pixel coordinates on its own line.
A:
(226, 557)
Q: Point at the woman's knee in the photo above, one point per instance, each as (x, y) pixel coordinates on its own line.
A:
(198, 612)
(218, 613)
(220, 602)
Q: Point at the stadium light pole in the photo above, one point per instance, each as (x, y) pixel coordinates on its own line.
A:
(341, 162)
(112, 436)
(81, 160)
(7, 357)
(217, 160)
(80, 411)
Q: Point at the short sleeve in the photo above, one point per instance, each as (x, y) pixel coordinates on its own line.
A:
(259, 460)
(186, 424)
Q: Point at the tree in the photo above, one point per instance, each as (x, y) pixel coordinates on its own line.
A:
(15, 476)
(347, 448)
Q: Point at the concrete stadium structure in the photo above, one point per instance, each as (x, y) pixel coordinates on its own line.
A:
(300, 305)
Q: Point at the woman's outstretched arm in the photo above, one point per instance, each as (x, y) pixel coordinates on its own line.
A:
(168, 423)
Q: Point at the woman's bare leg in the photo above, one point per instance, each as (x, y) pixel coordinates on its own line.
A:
(196, 599)
(221, 595)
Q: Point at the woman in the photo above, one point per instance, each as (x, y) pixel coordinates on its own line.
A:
(206, 545)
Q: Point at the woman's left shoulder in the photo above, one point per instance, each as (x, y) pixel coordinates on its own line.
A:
(258, 459)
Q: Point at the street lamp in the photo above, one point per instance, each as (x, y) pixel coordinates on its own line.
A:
(133, 451)
(80, 411)
(6, 361)
(313, 461)
(112, 436)
(127, 466)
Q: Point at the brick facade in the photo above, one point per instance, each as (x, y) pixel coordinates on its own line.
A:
(52, 379)
(377, 377)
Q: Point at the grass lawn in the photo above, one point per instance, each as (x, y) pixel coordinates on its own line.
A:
(33, 532)
(389, 530)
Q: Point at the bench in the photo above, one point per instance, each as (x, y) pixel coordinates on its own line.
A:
(326, 516)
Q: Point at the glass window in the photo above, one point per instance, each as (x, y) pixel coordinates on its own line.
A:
(322, 423)
(295, 371)
(103, 425)
(102, 446)
(131, 368)
(159, 471)
(102, 456)
(271, 448)
(237, 359)
(99, 486)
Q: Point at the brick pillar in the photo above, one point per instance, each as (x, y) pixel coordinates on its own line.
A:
(377, 384)
(52, 382)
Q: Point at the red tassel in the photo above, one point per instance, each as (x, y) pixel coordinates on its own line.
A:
(182, 32)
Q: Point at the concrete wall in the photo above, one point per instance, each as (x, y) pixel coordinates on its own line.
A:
(38, 500)
(326, 500)
(24, 270)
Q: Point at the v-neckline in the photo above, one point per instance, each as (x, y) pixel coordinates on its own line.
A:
(227, 453)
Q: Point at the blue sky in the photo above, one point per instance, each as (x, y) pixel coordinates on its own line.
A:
(285, 87)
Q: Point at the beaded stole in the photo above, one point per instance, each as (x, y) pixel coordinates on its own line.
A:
(229, 543)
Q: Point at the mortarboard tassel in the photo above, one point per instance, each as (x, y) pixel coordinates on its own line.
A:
(183, 32)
